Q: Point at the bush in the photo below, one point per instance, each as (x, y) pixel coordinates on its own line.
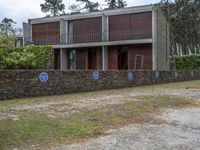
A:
(29, 57)
(191, 62)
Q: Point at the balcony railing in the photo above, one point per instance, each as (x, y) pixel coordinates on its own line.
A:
(138, 33)
(142, 33)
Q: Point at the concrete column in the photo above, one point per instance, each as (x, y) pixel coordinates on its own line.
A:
(105, 37)
(163, 41)
(70, 33)
(63, 32)
(104, 57)
(154, 39)
(63, 59)
(105, 28)
(27, 34)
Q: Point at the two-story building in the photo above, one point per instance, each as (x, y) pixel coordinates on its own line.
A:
(131, 38)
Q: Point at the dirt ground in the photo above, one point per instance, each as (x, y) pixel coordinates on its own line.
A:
(171, 129)
(178, 129)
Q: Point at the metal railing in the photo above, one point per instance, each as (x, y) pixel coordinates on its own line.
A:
(140, 33)
(137, 33)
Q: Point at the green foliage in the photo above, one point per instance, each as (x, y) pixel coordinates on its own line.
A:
(112, 4)
(6, 43)
(30, 57)
(184, 19)
(85, 5)
(53, 6)
(191, 62)
(116, 4)
(6, 27)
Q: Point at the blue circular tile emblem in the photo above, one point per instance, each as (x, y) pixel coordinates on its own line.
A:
(176, 74)
(130, 75)
(157, 74)
(43, 77)
(192, 73)
(95, 75)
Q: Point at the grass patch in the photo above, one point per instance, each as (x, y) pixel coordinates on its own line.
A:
(2, 110)
(182, 85)
(43, 132)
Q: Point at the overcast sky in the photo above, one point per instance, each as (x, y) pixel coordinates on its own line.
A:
(22, 10)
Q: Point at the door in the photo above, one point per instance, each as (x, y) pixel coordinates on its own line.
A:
(138, 62)
(57, 59)
(122, 59)
(92, 59)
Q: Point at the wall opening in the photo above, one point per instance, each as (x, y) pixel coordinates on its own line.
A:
(92, 58)
(57, 59)
(72, 60)
(138, 62)
(122, 59)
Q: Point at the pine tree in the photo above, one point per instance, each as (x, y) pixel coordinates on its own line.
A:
(6, 26)
(116, 4)
(121, 4)
(55, 7)
(112, 4)
(88, 5)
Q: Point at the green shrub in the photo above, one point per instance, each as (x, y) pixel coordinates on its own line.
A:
(29, 57)
(191, 62)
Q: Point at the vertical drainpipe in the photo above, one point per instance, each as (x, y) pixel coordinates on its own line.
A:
(154, 38)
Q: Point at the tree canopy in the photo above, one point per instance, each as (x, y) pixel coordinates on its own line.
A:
(85, 5)
(184, 19)
(116, 4)
(6, 27)
(55, 7)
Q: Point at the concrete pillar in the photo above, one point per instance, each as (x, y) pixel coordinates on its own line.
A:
(70, 33)
(105, 57)
(27, 34)
(154, 39)
(163, 41)
(105, 37)
(105, 28)
(63, 59)
(63, 32)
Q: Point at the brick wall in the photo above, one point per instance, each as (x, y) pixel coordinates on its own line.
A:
(24, 83)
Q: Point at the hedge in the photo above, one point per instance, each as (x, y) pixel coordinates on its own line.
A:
(191, 62)
(29, 57)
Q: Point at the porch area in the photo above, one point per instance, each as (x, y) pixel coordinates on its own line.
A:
(119, 57)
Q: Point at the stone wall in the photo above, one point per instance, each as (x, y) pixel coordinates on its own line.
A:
(26, 83)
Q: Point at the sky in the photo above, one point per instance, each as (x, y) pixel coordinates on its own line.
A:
(22, 10)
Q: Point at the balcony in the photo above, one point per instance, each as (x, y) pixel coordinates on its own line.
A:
(140, 33)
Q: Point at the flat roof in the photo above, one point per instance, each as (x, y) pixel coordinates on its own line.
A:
(110, 12)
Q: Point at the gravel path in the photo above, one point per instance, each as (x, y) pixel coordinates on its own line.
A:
(179, 131)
